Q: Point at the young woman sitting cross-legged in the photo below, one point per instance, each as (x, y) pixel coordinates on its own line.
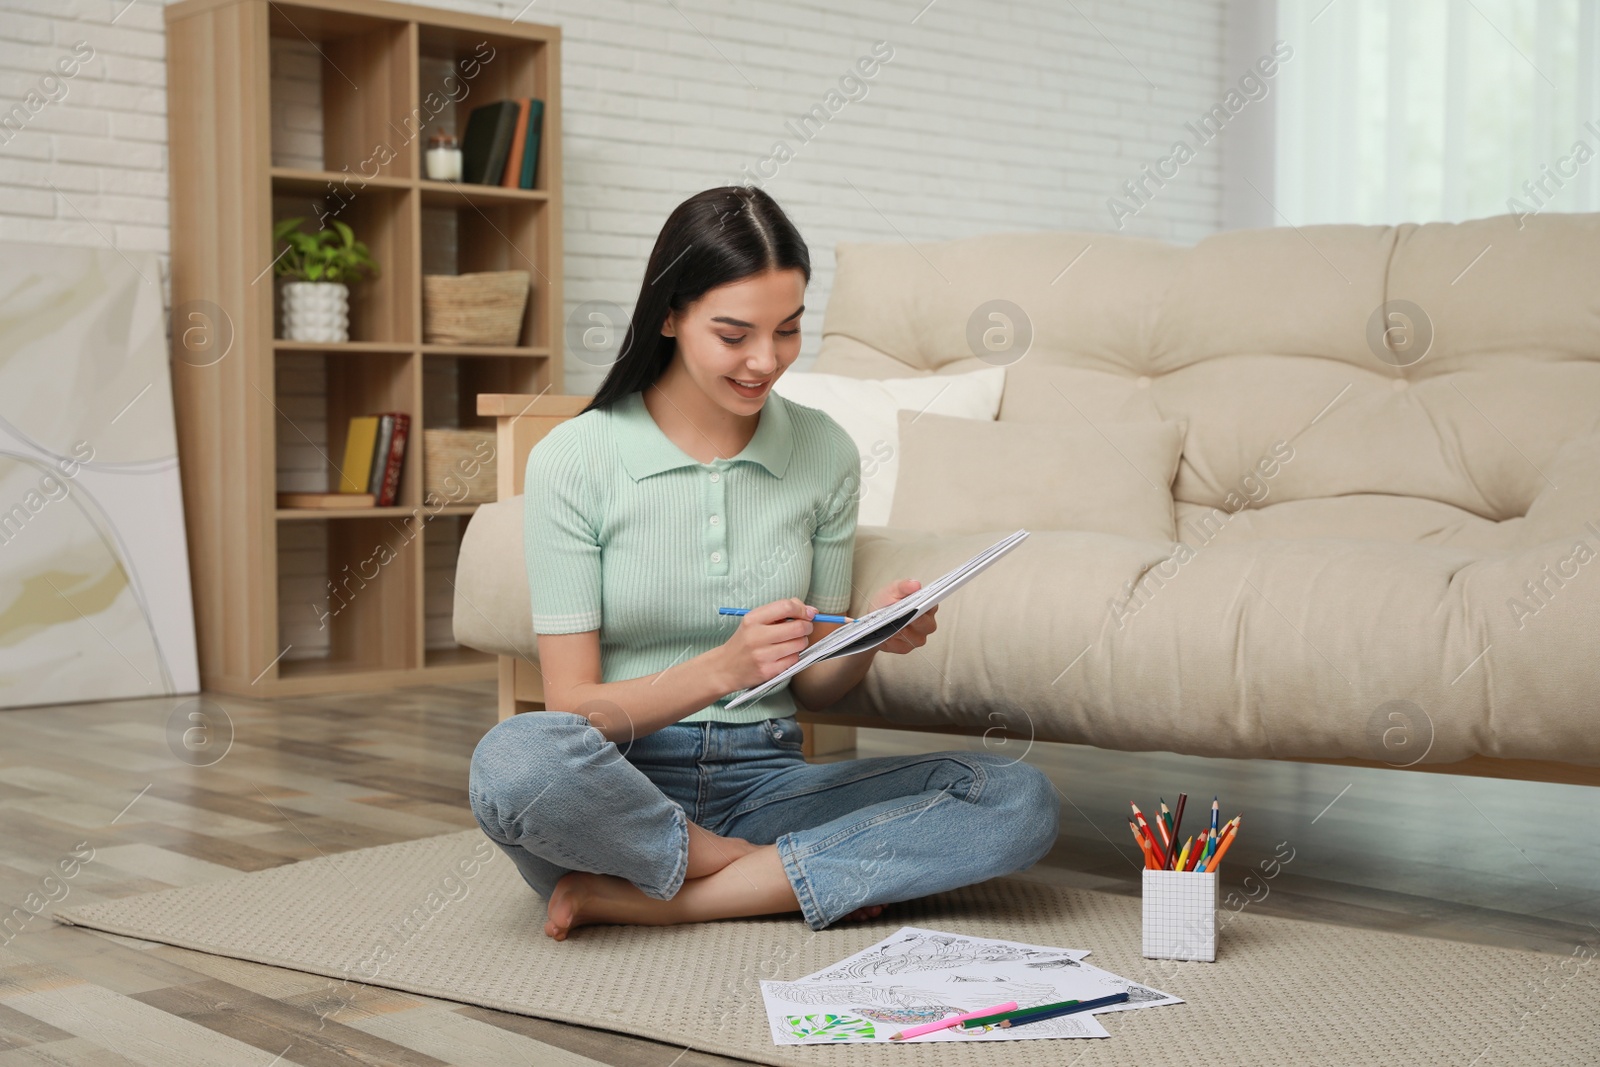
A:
(687, 485)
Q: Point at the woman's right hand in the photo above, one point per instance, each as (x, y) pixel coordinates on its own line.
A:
(768, 642)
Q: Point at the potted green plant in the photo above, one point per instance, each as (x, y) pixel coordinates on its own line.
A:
(316, 297)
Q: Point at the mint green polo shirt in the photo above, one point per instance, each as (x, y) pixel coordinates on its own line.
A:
(627, 534)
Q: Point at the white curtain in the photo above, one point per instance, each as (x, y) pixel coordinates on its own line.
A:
(1429, 110)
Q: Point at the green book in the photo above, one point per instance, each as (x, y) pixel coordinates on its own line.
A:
(530, 150)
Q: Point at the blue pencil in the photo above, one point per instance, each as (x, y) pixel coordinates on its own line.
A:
(1070, 1009)
(1211, 842)
(814, 618)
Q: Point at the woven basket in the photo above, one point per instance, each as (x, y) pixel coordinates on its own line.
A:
(474, 309)
(458, 467)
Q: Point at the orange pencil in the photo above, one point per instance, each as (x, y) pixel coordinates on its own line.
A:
(1149, 860)
(1227, 839)
(1160, 856)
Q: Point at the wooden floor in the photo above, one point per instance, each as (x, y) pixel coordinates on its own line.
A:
(1501, 863)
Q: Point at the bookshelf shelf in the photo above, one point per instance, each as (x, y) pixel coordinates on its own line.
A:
(299, 601)
(451, 194)
(422, 512)
(318, 182)
(349, 348)
(469, 351)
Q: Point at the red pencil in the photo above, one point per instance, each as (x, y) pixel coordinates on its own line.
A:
(1199, 849)
(1161, 857)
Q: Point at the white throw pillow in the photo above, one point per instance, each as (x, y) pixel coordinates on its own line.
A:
(867, 407)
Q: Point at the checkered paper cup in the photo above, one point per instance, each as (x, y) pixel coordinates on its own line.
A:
(1180, 915)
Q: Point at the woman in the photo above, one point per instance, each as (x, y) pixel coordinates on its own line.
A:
(684, 486)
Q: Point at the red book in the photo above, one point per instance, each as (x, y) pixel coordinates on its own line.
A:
(511, 177)
(392, 463)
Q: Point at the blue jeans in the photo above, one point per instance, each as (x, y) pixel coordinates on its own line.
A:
(551, 791)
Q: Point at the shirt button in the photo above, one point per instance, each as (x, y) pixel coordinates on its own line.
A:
(716, 477)
(716, 557)
(716, 520)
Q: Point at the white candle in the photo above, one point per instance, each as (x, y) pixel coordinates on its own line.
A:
(444, 164)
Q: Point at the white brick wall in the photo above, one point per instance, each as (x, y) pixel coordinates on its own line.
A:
(1025, 115)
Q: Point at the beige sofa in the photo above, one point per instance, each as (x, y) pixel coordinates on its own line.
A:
(1419, 584)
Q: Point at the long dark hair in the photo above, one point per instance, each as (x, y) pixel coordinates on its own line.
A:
(713, 238)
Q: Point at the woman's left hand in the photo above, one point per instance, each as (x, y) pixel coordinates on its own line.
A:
(914, 635)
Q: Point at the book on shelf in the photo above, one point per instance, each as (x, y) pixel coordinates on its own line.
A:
(393, 459)
(524, 159)
(380, 455)
(487, 142)
(511, 173)
(501, 145)
(530, 151)
(359, 444)
(374, 454)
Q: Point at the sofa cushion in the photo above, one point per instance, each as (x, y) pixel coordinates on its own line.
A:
(1260, 649)
(1363, 516)
(1037, 391)
(866, 409)
(1087, 296)
(960, 476)
(493, 610)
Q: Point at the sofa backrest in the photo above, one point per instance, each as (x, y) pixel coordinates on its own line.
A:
(1256, 337)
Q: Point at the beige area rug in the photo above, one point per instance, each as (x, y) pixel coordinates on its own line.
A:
(449, 917)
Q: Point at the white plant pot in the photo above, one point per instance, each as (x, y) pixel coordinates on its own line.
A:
(316, 311)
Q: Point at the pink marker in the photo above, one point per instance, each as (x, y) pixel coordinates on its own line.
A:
(954, 1020)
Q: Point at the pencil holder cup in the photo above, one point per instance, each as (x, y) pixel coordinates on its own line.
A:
(1180, 915)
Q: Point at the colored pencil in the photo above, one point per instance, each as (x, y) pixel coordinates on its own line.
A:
(1212, 843)
(1144, 846)
(945, 1024)
(814, 618)
(1177, 820)
(1071, 1009)
(1165, 825)
(1012, 1013)
(1161, 857)
(1199, 847)
(1183, 858)
(1216, 857)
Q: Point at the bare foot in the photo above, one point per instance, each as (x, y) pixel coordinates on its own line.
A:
(569, 903)
(753, 884)
(871, 911)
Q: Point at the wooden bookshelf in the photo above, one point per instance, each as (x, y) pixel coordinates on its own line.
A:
(380, 87)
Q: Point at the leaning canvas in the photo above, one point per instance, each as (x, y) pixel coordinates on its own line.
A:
(94, 571)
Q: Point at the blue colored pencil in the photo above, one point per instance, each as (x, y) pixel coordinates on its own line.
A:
(1211, 842)
(814, 618)
(1070, 1009)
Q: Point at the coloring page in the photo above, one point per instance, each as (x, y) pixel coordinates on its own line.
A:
(914, 951)
(915, 976)
(806, 1013)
